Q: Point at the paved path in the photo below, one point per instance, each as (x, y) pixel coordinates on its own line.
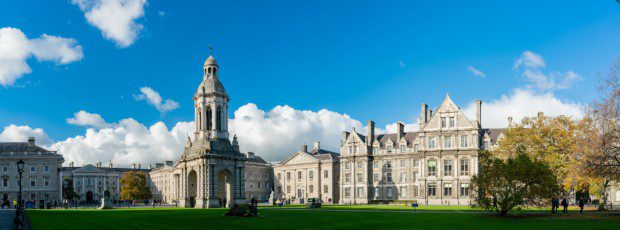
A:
(6, 219)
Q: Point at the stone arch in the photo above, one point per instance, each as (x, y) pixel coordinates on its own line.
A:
(209, 118)
(225, 187)
(218, 118)
(192, 187)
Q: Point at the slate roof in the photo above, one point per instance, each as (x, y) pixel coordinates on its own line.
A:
(257, 159)
(92, 168)
(7, 147)
(494, 133)
(323, 154)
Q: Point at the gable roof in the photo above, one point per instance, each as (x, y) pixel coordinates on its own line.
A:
(494, 134)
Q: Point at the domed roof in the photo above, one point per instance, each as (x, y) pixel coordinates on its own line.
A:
(211, 85)
(210, 61)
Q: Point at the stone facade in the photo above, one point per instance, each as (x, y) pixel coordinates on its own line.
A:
(91, 181)
(432, 166)
(40, 180)
(258, 178)
(313, 174)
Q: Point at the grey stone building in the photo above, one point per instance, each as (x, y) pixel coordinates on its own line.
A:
(308, 174)
(432, 166)
(40, 181)
(258, 178)
(91, 181)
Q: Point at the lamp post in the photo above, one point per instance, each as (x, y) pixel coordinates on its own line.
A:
(19, 220)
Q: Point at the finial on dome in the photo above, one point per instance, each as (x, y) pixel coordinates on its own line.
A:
(210, 50)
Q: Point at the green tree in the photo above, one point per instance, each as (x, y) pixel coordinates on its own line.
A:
(134, 186)
(558, 141)
(503, 184)
(67, 189)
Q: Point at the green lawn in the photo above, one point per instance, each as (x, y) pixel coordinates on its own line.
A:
(330, 218)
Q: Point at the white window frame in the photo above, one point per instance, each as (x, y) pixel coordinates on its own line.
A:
(464, 141)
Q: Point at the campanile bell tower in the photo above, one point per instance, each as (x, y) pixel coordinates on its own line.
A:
(211, 104)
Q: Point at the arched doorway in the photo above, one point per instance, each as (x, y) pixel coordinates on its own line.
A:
(224, 187)
(89, 197)
(192, 179)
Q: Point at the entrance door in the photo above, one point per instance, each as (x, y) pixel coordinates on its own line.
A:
(300, 196)
(89, 197)
(192, 180)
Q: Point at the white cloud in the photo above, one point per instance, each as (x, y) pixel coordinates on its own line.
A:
(475, 71)
(16, 48)
(529, 59)
(522, 103)
(531, 64)
(126, 142)
(153, 98)
(14, 133)
(282, 130)
(115, 18)
(84, 118)
(391, 128)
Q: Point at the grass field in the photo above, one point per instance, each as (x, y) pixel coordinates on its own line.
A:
(331, 217)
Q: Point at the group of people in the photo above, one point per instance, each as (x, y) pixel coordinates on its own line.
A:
(222, 202)
(7, 204)
(555, 204)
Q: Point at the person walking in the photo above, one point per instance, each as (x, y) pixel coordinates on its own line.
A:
(581, 204)
(553, 207)
(313, 203)
(565, 205)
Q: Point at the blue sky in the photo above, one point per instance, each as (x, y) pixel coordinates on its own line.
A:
(368, 59)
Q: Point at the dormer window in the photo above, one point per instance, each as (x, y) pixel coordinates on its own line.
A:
(452, 122)
(389, 149)
(402, 148)
(443, 122)
(375, 150)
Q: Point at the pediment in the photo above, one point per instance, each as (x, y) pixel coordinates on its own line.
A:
(88, 169)
(300, 158)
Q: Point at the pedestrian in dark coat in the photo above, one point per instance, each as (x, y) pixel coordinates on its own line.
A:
(581, 204)
(565, 205)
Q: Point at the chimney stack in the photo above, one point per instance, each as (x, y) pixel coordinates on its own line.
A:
(139, 166)
(30, 141)
(111, 165)
(304, 148)
(71, 164)
(250, 154)
(429, 113)
(400, 130)
(423, 113)
(371, 133)
(479, 113)
(317, 144)
(133, 166)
